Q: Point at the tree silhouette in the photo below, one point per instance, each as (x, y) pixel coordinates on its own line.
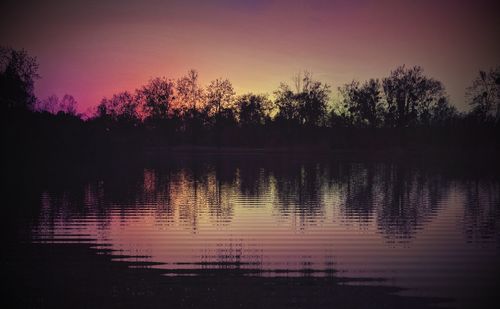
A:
(484, 94)
(156, 98)
(287, 104)
(253, 110)
(18, 72)
(410, 95)
(363, 102)
(313, 99)
(67, 105)
(123, 106)
(166, 112)
(189, 92)
(220, 97)
(307, 106)
(442, 114)
(49, 105)
(190, 98)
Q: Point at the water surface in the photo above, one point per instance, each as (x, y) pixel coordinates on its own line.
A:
(429, 228)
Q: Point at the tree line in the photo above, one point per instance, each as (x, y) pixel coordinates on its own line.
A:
(406, 98)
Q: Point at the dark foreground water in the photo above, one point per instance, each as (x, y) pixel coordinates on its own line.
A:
(430, 229)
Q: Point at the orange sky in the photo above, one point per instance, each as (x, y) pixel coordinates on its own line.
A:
(92, 49)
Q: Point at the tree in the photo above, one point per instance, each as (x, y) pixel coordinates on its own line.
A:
(122, 106)
(287, 104)
(253, 109)
(156, 98)
(338, 119)
(313, 100)
(127, 105)
(49, 105)
(105, 109)
(189, 92)
(18, 72)
(363, 102)
(484, 94)
(307, 106)
(410, 96)
(68, 105)
(219, 96)
(443, 113)
(53, 105)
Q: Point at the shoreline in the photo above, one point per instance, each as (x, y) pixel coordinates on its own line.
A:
(489, 155)
(80, 276)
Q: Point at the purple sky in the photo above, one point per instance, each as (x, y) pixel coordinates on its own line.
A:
(92, 49)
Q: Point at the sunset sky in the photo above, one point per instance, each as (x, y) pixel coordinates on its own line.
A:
(92, 49)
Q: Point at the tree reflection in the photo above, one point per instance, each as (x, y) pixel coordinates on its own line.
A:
(397, 197)
(299, 190)
(482, 210)
(408, 198)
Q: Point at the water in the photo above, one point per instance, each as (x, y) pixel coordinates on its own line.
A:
(429, 228)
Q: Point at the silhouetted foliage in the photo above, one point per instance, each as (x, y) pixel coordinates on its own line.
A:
(407, 99)
(122, 106)
(364, 103)
(220, 97)
(189, 92)
(443, 114)
(307, 105)
(287, 104)
(410, 96)
(18, 72)
(190, 100)
(253, 110)
(156, 98)
(54, 105)
(313, 99)
(405, 109)
(484, 95)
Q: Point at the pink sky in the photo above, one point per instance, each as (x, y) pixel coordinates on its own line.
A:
(92, 49)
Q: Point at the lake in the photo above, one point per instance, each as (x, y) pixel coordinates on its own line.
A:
(429, 228)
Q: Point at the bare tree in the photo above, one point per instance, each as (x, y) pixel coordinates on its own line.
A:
(156, 97)
(189, 92)
(123, 106)
(68, 105)
(49, 105)
(54, 105)
(219, 96)
(484, 94)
